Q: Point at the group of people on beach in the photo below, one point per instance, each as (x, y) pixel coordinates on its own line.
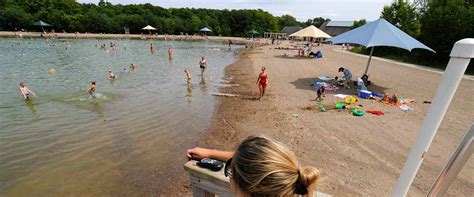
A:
(344, 81)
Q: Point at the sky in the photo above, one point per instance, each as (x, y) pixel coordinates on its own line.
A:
(301, 9)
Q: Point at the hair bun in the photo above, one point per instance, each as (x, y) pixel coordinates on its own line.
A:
(308, 176)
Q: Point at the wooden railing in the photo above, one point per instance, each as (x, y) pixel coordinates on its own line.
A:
(207, 183)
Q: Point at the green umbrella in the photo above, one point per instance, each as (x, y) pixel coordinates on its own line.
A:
(253, 31)
(42, 24)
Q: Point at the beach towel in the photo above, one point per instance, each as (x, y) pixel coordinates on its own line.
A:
(405, 108)
(325, 78)
(319, 84)
(340, 95)
(331, 88)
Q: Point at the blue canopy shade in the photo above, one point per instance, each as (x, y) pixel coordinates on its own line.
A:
(205, 29)
(379, 33)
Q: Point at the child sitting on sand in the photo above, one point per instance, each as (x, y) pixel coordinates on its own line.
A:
(337, 82)
(389, 100)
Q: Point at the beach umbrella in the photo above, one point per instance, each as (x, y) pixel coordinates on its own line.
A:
(379, 33)
(310, 32)
(205, 30)
(42, 24)
(149, 28)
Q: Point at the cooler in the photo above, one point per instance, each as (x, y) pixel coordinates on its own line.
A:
(365, 94)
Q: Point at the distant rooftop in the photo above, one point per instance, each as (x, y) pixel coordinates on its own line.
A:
(340, 24)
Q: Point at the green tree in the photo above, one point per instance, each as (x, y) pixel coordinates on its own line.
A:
(287, 20)
(446, 22)
(403, 15)
(317, 22)
(359, 23)
(12, 17)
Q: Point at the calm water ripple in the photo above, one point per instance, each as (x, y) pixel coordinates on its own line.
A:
(128, 142)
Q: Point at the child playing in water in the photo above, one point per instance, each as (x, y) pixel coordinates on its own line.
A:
(152, 48)
(133, 66)
(112, 75)
(170, 53)
(188, 77)
(91, 90)
(25, 92)
(202, 65)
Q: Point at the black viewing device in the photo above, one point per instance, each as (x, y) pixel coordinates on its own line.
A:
(211, 164)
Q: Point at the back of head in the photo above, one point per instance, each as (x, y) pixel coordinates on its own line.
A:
(264, 167)
(341, 69)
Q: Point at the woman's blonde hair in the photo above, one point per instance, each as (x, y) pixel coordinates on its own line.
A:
(264, 167)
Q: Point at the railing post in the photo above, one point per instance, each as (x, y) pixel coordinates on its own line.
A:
(207, 183)
(452, 168)
(461, 55)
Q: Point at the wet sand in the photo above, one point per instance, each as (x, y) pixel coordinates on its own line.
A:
(358, 156)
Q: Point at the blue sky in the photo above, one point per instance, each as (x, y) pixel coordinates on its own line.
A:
(301, 9)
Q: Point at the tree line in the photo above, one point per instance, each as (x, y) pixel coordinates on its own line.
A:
(70, 16)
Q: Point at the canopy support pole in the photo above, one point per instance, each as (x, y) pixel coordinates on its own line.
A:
(368, 63)
(461, 55)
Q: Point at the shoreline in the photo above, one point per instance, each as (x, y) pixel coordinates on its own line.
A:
(362, 156)
(235, 40)
(219, 134)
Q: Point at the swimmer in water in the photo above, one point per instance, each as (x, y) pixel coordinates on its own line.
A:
(188, 77)
(133, 66)
(25, 92)
(112, 75)
(124, 70)
(202, 65)
(91, 90)
(170, 53)
(152, 48)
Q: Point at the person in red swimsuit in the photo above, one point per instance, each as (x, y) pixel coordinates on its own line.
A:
(262, 82)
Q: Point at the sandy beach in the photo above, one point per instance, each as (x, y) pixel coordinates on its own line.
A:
(358, 156)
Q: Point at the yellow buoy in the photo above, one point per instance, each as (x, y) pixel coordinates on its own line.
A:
(52, 71)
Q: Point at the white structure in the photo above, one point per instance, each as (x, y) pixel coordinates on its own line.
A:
(461, 55)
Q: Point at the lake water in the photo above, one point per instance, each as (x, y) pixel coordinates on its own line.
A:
(129, 141)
